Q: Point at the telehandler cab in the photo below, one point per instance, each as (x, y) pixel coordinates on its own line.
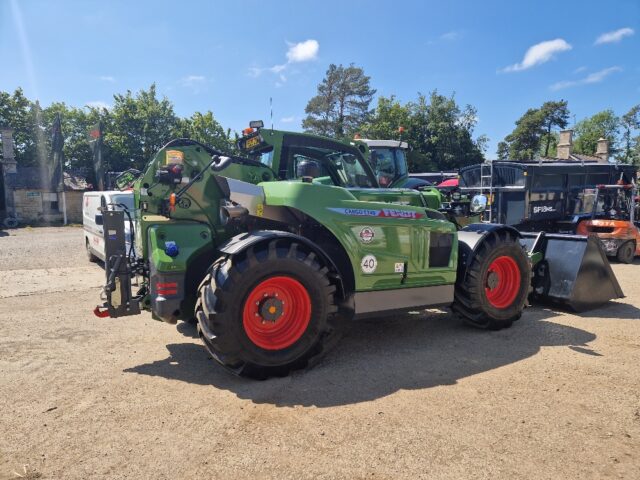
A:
(272, 251)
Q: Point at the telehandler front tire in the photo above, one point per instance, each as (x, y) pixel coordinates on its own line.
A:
(268, 310)
(492, 293)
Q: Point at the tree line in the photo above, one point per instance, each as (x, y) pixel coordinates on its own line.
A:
(536, 133)
(439, 131)
(135, 127)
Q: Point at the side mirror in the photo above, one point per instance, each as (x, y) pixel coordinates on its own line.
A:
(98, 219)
(478, 203)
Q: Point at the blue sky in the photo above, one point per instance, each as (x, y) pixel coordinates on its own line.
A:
(230, 57)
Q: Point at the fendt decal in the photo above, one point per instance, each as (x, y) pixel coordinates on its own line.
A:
(384, 213)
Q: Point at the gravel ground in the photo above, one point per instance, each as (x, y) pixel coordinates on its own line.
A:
(417, 396)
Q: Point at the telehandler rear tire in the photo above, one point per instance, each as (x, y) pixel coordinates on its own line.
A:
(493, 292)
(268, 310)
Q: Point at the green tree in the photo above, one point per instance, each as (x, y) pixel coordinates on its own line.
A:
(15, 111)
(603, 124)
(525, 140)
(204, 128)
(554, 114)
(137, 127)
(76, 122)
(534, 134)
(438, 130)
(342, 102)
(502, 151)
(630, 122)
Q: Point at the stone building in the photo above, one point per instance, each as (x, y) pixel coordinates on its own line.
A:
(27, 196)
(565, 151)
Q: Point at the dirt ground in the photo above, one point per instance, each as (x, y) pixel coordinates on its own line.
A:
(418, 396)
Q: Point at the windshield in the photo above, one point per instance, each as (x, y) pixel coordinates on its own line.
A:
(330, 165)
(125, 199)
(388, 164)
(266, 158)
(614, 202)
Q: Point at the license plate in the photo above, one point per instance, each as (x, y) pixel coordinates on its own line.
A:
(252, 142)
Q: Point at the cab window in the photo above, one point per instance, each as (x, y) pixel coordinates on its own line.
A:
(266, 158)
(327, 165)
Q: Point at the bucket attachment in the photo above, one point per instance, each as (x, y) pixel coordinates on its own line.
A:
(574, 271)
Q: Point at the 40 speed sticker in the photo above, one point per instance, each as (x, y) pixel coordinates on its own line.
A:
(369, 264)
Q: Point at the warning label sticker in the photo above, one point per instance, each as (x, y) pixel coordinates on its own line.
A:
(366, 235)
(174, 156)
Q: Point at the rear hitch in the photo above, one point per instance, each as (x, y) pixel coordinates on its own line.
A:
(101, 311)
(119, 300)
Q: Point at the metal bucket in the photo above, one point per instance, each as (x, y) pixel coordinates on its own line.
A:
(574, 271)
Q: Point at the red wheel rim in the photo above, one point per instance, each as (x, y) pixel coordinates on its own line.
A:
(276, 313)
(502, 282)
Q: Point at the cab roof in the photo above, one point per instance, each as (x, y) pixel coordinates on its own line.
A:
(385, 143)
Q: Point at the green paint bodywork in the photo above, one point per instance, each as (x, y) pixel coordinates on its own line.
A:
(395, 240)
(401, 220)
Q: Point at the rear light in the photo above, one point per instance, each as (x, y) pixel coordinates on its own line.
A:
(247, 131)
(167, 288)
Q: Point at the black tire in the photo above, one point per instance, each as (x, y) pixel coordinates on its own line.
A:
(471, 301)
(626, 252)
(90, 256)
(223, 298)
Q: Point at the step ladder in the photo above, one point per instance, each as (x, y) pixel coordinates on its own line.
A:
(486, 188)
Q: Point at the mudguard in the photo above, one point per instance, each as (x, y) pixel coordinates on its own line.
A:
(245, 240)
(470, 238)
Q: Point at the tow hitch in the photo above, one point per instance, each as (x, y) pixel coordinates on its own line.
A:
(117, 290)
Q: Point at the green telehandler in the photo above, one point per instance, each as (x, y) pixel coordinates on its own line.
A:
(273, 250)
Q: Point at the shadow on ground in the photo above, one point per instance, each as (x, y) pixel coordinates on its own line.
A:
(614, 310)
(378, 357)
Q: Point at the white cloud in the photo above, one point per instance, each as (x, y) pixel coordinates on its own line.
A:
(288, 119)
(107, 78)
(615, 36)
(450, 36)
(98, 104)
(580, 69)
(595, 77)
(277, 68)
(297, 53)
(303, 51)
(192, 80)
(538, 54)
